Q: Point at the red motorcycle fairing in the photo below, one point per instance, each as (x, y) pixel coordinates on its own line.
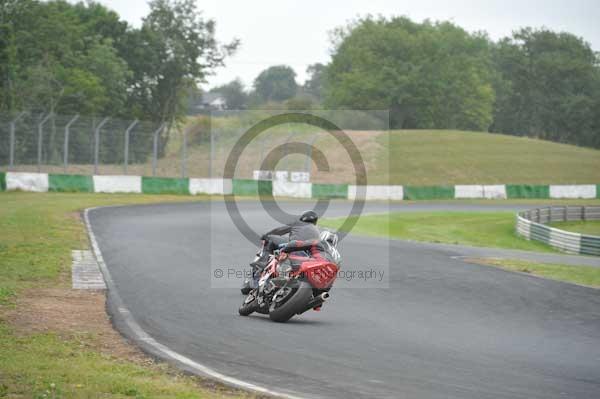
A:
(319, 273)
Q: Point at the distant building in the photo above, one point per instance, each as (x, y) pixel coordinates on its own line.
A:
(213, 101)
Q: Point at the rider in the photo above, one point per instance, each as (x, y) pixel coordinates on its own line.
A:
(304, 229)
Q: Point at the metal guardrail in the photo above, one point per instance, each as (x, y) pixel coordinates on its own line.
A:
(531, 224)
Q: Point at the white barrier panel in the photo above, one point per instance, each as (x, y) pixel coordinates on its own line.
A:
(574, 191)
(281, 175)
(210, 186)
(262, 175)
(300, 177)
(376, 192)
(495, 191)
(37, 182)
(294, 190)
(468, 191)
(117, 184)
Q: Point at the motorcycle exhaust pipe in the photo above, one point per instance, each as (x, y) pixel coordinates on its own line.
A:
(316, 301)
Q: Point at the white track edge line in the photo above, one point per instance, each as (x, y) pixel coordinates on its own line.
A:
(160, 348)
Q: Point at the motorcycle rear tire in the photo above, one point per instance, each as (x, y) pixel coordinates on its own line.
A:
(293, 305)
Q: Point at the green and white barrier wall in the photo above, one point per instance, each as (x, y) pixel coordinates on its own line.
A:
(43, 182)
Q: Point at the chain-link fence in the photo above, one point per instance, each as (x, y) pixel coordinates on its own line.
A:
(77, 144)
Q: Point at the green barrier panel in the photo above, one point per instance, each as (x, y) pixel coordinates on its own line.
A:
(527, 191)
(589, 245)
(2, 181)
(428, 192)
(598, 191)
(330, 191)
(70, 183)
(248, 187)
(165, 185)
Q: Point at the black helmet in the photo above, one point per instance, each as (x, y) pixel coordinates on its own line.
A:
(309, 217)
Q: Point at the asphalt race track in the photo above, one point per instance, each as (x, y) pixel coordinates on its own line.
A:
(443, 328)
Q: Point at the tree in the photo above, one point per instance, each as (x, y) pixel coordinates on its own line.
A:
(315, 81)
(547, 86)
(299, 103)
(170, 56)
(55, 62)
(429, 75)
(276, 83)
(234, 94)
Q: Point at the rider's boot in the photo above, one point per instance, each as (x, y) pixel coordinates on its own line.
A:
(257, 267)
(259, 264)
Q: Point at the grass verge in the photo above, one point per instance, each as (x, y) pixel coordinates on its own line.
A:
(582, 275)
(57, 342)
(591, 227)
(483, 229)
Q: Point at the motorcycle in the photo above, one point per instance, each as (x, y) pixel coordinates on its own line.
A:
(297, 278)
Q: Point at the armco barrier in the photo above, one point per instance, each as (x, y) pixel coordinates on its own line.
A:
(531, 224)
(70, 183)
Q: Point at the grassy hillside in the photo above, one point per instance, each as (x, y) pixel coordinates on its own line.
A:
(407, 157)
(425, 157)
(417, 157)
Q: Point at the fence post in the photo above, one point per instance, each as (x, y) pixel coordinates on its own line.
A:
(184, 155)
(126, 150)
(285, 150)
(155, 148)
(262, 150)
(66, 142)
(97, 143)
(308, 159)
(40, 141)
(11, 162)
(212, 152)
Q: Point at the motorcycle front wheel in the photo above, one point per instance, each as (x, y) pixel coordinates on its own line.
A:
(287, 304)
(250, 304)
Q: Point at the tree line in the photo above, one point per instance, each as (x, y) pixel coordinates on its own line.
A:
(82, 58)
(436, 75)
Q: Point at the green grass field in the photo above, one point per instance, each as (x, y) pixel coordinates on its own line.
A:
(422, 157)
(487, 229)
(426, 157)
(591, 227)
(484, 229)
(37, 233)
(582, 275)
(402, 157)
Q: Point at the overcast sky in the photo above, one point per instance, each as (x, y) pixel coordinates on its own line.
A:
(296, 33)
